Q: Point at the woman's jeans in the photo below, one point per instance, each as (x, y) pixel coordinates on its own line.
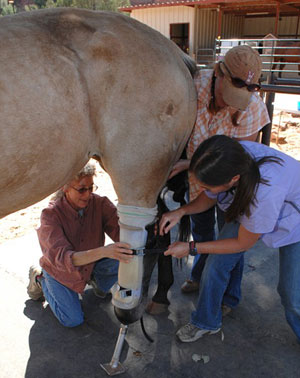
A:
(289, 284)
(220, 283)
(65, 302)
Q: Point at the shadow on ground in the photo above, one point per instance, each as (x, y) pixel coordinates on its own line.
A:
(257, 340)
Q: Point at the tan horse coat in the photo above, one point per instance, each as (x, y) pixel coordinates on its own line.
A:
(76, 84)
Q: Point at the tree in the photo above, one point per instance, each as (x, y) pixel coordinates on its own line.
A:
(109, 5)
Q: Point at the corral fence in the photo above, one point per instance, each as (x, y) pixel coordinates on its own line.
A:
(280, 72)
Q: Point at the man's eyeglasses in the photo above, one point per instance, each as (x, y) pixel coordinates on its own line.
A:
(91, 188)
(239, 83)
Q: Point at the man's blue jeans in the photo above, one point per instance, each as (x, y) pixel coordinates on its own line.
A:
(220, 283)
(65, 302)
(289, 284)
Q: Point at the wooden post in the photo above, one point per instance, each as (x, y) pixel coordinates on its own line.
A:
(267, 129)
(297, 27)
(277, 19)
(196, 32)
(220, 14)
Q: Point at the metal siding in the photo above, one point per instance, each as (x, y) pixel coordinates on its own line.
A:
(232, 26)
(207, 27)
(161, 18)
(261, 26)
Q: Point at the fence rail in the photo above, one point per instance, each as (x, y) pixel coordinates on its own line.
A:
(280, 56)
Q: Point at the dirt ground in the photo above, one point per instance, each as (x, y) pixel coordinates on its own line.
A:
(285, 137)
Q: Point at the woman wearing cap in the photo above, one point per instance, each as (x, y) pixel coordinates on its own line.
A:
(228, 104)
(259, 190)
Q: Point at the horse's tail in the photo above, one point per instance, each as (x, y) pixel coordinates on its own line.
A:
(179, 186)
(190, 63)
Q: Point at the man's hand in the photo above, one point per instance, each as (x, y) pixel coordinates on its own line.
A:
(118, 251)
(169, 220)
(181, 165)
(178, 249)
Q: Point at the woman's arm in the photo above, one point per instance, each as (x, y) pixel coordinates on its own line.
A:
(181, 165)
(118, 251)
(198, 205)
(244, 241)
(60, 252)
(251, 138)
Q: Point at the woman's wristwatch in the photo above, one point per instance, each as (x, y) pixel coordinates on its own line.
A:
(192, 248)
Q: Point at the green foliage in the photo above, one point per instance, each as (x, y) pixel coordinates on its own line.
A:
(6, 10)
(110, 5)
(40, 3)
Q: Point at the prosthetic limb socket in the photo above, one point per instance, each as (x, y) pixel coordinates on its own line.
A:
(127, 293)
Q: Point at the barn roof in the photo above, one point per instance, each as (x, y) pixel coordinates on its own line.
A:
(237, 7)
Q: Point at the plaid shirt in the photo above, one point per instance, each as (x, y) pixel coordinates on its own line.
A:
(250, 121)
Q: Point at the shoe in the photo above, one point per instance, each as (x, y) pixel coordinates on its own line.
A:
(225, 310)
(189, 333)
(190, 286)
(98, 292)
(34, 288)
(154, 308)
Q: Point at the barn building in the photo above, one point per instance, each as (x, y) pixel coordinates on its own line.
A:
(194, 25)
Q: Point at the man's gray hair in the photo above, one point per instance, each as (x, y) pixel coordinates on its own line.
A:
(89, 170)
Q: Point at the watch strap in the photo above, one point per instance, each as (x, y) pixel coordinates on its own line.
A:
(192, 248)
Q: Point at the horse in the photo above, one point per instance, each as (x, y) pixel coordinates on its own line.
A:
(284, 50)
(79, 84)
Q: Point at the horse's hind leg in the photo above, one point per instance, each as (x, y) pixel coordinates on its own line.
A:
(165, 279)
(149, 264)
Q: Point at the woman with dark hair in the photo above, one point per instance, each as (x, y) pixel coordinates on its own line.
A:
(259, 190)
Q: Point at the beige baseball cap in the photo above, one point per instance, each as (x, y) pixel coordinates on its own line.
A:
(244, 63)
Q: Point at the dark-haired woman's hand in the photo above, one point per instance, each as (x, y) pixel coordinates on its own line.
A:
(178, 249)
(169, 220)
(181, 165)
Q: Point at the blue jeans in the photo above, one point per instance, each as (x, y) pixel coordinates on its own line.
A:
(65, 302)
(203, 229)
(220, 283)
(289, 284)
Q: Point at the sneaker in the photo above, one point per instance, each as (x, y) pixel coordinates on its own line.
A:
(190, 286)
(34, 288)
(98, 292)
(189, 333)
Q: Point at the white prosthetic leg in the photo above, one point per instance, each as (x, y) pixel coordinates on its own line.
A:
(127, 293)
